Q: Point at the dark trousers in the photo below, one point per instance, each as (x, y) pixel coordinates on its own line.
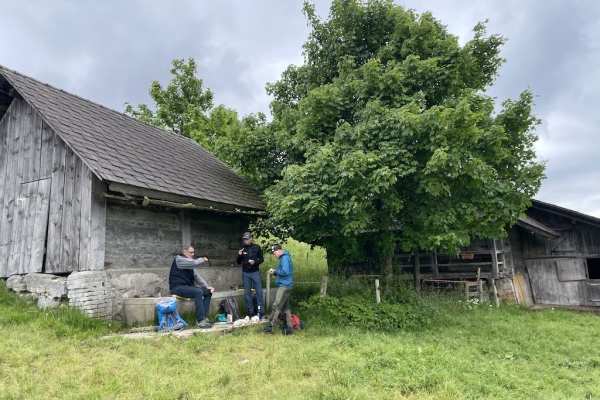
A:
(201, 296)
(249, 280)
(281, 303)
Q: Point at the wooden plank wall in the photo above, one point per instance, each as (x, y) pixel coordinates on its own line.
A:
(31, 151)
(141, 237)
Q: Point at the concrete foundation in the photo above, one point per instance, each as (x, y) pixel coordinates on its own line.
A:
(142, 311)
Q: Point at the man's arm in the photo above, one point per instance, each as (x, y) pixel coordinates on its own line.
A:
(283, 269)
(188, 263)
(260, 259)
(198, 279)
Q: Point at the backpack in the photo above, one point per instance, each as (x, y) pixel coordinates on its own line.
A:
(296, 322)
(230, 307)
(168, 317)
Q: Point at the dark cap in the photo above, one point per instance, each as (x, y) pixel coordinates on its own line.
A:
(274, 248)
(247, 235)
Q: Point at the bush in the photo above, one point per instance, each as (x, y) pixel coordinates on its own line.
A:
(400, 308)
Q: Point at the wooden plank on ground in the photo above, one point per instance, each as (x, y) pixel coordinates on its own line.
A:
(54, 247)
(38, 237)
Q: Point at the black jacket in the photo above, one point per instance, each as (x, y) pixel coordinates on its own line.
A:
(252, 252)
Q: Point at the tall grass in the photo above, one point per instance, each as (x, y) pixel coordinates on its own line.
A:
(466, 351)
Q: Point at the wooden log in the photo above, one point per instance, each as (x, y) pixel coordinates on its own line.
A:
(323, 292)
(377, 296)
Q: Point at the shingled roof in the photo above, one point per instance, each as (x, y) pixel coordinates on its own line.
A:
(122, 149)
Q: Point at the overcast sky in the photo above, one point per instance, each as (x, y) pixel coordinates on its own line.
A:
(109, 51)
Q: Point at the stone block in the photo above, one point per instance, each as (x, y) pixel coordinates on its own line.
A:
(44, 302)
(16, 283)
(40, 284)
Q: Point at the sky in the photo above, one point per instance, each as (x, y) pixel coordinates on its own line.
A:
(110, 51)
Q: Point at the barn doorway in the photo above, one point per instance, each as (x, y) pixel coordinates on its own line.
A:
(593, 267)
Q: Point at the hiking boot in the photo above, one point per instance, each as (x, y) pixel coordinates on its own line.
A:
(209, 321)
(267, 332)
(288, 332)
(204, 324)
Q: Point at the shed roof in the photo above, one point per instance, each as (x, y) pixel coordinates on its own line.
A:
(565, 212)
(122, 149)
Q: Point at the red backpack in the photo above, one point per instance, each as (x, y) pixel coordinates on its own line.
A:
(296, 323)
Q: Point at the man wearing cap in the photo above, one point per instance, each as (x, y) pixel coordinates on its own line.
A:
(285, 282)
(251, 256)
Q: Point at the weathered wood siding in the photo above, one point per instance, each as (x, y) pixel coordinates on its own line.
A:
(43, 187)
(557, 269)
(141, 237)
(217, 237)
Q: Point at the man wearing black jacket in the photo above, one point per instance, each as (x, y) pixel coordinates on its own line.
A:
(251, 256)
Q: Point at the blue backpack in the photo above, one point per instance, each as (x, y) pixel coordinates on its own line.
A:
(168, 317)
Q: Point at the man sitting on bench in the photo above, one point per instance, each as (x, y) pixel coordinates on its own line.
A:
(183, 279)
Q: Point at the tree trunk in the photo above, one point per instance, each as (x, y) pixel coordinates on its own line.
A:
(387, 267)
(417, 271)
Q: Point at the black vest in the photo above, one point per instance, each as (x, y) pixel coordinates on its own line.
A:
(180, 277)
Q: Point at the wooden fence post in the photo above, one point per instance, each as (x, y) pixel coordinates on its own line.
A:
(377, 297)
(417, 271)
(495, 291)
(323, 287)
(479, 285)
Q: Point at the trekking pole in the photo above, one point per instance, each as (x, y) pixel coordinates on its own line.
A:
(267, 303)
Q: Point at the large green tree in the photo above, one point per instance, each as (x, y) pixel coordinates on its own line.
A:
(182, 107)
(389, 138)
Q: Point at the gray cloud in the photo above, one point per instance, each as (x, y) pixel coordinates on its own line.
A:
(110, 51)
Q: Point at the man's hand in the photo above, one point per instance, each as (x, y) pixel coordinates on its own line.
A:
(271, 271)
(251, 262)
(240, 252)
(205, 259)
(212, 289)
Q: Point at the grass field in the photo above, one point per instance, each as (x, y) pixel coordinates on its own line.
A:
(465, 353)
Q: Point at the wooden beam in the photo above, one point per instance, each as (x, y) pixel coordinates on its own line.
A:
(495, 269)
(175, 198)
(12, 93)
(146, 202)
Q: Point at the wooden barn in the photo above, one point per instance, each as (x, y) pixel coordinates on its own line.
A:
(87, 188)
(551, 256)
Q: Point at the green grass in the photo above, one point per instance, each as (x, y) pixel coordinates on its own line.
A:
(464, 353)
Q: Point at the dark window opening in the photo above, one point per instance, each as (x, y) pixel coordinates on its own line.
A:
(593, 265)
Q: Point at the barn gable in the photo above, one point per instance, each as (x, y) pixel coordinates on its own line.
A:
(130, 155)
